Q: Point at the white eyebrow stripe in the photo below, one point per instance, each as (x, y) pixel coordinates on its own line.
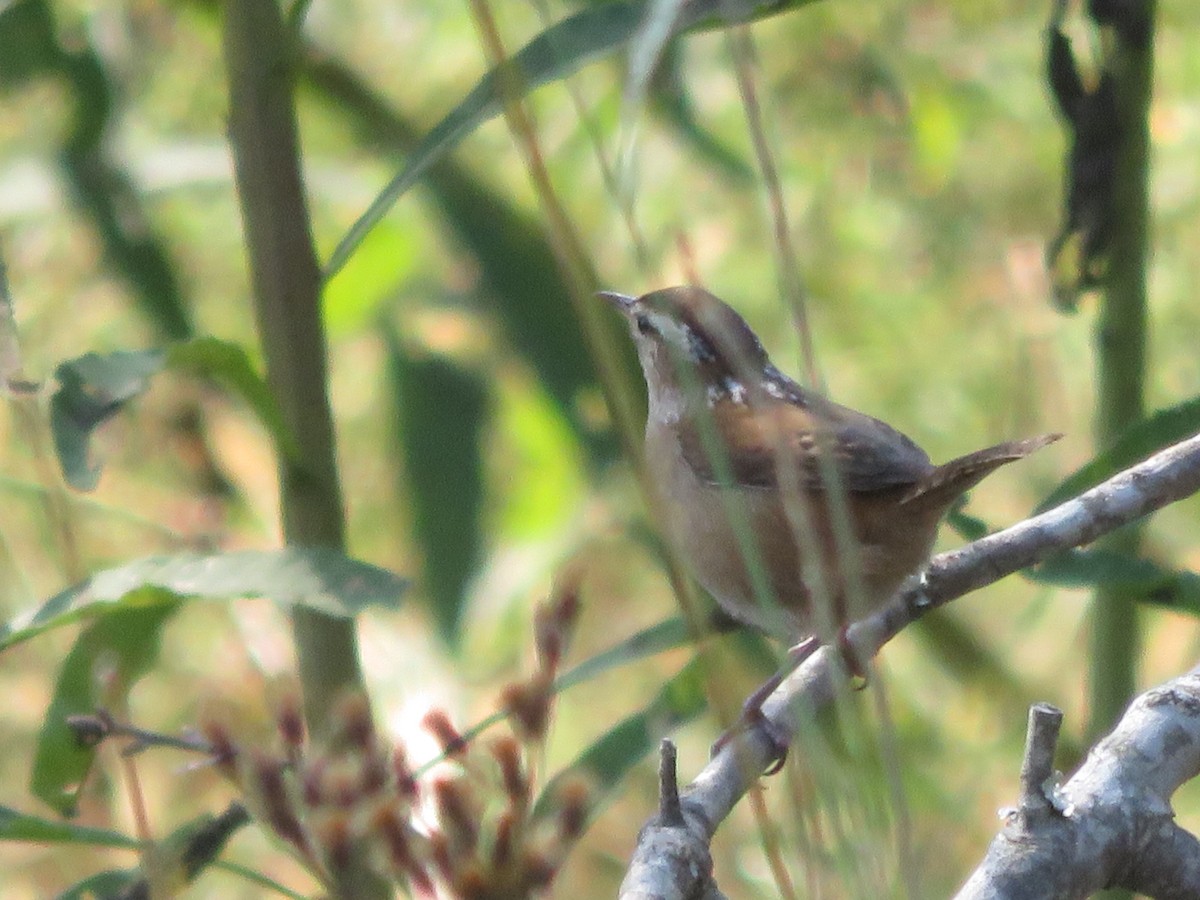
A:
(669, 329)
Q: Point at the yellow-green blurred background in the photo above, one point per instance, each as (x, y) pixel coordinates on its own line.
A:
(921, 163)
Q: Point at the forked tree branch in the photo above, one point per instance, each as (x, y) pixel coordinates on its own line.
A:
(1111, 825)
(1167, 476)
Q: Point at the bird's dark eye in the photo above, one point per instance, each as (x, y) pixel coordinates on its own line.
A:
(643, 325)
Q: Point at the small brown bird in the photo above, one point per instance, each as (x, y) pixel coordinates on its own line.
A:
(729, 438)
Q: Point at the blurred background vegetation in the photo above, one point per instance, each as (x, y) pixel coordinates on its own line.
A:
(921, 161)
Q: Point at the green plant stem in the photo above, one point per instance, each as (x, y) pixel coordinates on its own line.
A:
(287, 279)
(1121, 373)
(287, 295)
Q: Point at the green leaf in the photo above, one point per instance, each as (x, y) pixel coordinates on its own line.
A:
(91, 390)
(545, 482)
(664, 636)
(968, 527)
(606, 762)
(27, 36)
(520, 279)
(557, 52)
(102, 885)
(19, 826)
(442, 409)
(194, 846)
(178, 859)
(317, 578)
(228, 364)
(258, 878)
(125, 644)
(1148, 581)
(1163, 428)
(384, 263)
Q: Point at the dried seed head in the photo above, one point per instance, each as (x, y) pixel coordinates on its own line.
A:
(572, 798)
(474, 884)
(267, 780)
(373, 772)
(342, 785)
(455, 811)
(398, 840)
(312, 782)
(554, 620)
(336, 839)
(439, 852)
(353, 716)
(507, 752)
(437, 723)
(547, 638)
(529, 704)
(538, 869)
(504, 840)
(290, 721)
(406, 783)
(224, 750)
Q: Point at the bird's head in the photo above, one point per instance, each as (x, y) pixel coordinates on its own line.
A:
(691, 343)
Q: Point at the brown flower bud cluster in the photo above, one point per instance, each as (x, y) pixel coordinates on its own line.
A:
(529, 703)
(472, 827)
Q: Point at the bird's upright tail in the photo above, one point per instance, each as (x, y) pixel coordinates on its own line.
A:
(947, 482)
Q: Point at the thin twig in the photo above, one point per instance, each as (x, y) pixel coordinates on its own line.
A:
(790, 280)
(1037, 769)
(669, 812)
(91, 730)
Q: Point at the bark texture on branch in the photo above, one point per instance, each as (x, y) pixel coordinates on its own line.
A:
(1111, 825)
(1162, 479)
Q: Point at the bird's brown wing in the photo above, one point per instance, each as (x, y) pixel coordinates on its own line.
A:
(745, 445)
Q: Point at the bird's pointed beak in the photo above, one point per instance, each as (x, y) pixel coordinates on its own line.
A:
(623, 302)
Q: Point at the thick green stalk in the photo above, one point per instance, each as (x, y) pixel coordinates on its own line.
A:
(1121, 372)
(287, 295)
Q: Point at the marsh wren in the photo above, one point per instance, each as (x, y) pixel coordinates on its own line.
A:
(736, 450)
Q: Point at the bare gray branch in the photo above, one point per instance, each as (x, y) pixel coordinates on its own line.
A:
(1112, 824)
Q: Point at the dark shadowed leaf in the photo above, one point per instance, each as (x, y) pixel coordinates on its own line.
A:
(95, 387)
(91, 390)
(441, 411)
(104, 192)
(317, 578)
(1143, 579)
(194, 846)
(27, 36)
(970, 528)
(125, 645)
(1163, 428)
(670, 98)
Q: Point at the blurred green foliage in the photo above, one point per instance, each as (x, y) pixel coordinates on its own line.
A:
(921, 162)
